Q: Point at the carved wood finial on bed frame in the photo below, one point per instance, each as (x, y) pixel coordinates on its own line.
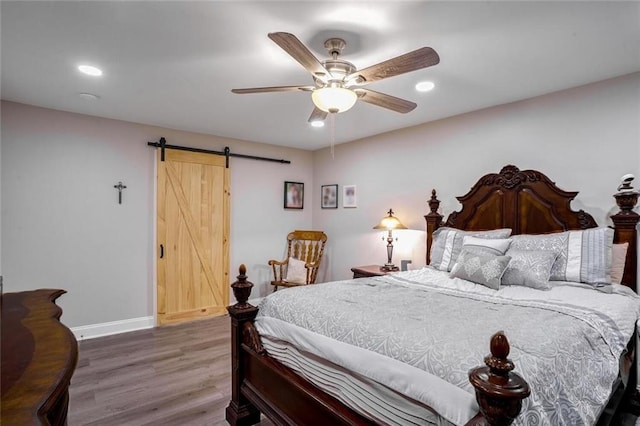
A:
(242, 289)
(499, 391)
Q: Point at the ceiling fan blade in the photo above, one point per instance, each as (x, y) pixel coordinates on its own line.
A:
(415, 60)
(317, 115)
(273, 89)
(298, 51)
(385, 101)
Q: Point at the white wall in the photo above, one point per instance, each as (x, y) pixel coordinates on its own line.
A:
(583, 138)
(62, 226)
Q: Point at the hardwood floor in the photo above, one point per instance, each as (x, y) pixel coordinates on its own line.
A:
(173, 375)
(178, 374)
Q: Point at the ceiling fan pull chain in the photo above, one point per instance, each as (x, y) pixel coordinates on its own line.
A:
(332, 126)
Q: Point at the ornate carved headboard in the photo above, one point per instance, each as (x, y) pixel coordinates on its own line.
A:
(528, 202)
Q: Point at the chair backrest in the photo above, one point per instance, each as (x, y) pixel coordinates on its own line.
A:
(307, 246)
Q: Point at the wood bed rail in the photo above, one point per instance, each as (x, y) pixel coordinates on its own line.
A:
(260, 384)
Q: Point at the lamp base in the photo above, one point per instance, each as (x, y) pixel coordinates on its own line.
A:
(390, 267)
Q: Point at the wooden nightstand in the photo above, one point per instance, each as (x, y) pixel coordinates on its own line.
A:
(369, 271)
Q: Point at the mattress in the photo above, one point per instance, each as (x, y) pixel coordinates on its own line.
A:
(368, 397)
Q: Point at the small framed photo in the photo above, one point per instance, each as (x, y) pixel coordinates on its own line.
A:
(329, 197)
(293, 195)
(349, 199)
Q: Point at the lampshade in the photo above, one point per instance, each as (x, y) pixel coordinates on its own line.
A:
(334, 99)
(390, 222)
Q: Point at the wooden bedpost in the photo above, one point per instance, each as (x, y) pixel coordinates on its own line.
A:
(625, 222)
(499, 391)
(240, 412)
(433, 221)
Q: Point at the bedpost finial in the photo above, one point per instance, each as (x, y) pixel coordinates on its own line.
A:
(242, 289)
(626, 201)
(434, 203)
(499, 391)
(498, 361)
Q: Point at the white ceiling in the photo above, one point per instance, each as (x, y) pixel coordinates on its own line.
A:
(173, 64)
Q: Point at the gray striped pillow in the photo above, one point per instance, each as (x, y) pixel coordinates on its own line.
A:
(447, 244)
(583, 256)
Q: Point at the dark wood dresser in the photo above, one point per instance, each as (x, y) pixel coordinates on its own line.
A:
(39, 355)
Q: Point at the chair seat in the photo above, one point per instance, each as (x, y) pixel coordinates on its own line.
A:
(286, 284)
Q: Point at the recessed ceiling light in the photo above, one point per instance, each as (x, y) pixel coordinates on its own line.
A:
(89, 96)
(90, 70)
(317, 123)
(425, 86)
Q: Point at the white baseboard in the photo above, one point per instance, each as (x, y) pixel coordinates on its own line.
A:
(114, 327)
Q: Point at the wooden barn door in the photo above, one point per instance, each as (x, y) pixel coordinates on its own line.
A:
(193, 236)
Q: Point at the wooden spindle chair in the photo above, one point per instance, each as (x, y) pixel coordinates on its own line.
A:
(304, 250)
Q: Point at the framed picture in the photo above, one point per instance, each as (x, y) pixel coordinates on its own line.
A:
(329, 197)
(293, 195)
(349, 196)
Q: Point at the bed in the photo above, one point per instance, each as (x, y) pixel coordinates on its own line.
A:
(268, 376)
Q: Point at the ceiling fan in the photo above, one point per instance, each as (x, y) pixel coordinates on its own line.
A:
(338, 83)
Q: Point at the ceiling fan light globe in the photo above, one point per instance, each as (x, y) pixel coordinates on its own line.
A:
(334, 99)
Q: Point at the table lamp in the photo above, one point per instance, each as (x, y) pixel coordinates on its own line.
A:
(389, 223)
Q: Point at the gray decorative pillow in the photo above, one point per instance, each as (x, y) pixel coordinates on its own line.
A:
(583, 256)
(530, 268)
(485, 269)
(447, 244)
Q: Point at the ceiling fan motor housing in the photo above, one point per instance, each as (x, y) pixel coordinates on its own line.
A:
(335, 46)
(338, 70)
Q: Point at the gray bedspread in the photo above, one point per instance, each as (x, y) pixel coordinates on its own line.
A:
(568, 354)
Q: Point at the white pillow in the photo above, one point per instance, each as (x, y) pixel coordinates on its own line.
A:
(296, 271)
(495, 246)
(618, 260)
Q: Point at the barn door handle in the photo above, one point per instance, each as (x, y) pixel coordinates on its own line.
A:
(161, 251)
